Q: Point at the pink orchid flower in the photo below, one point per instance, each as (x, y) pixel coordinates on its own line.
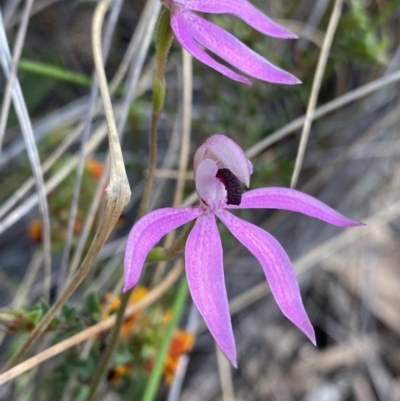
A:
(191, 30)
(219, 167)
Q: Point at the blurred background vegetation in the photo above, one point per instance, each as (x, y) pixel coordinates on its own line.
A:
(349, 281)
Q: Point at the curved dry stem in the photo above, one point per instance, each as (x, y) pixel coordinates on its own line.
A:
(81, 164)
(142, 209)
(117, 195)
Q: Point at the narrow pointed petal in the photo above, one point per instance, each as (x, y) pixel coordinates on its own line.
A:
(205, 275)
(181, 27)
(147, 232)
(228, 154)
(233, 51)
(277, 268)
(296, 201)
(243, 10)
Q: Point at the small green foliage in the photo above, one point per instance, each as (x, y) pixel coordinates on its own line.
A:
(93, 305)
(37, 312)
(358, 36)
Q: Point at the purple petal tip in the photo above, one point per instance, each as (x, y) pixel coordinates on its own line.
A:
(311, 337)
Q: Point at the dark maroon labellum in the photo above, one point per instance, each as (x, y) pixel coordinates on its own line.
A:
(232, 186)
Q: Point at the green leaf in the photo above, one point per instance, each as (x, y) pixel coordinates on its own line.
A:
(93, 305)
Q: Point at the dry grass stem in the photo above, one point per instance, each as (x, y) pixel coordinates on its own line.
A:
(316, 86)
(225, 376)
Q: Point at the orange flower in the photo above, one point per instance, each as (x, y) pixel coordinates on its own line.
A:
(35, 230)
(182, 343)
(137, 294)
(119, 372)
(111, 304)
(94, 168)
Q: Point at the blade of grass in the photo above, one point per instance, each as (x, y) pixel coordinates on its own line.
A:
(177, 310)
(53, 71)
(19, 43)
(316, 86)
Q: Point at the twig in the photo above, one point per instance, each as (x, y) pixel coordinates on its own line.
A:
(225, 376)
(316, 86)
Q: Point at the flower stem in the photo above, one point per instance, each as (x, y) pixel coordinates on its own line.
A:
(164, 39)
(177, 309)
(163, 44)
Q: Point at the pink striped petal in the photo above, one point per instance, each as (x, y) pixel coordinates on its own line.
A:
(230, 49)
(147, 232)
(243, 10)
(296, 201)
(180, 24)
(277, 268)
(205, 275)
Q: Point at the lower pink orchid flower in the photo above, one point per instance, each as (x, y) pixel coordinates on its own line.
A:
(191, 30)
(220, 165)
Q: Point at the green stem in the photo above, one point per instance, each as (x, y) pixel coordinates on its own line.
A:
(163, 42)
(156, 374)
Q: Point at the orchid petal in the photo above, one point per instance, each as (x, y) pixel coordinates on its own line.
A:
(147, 232)
(205, 275)
(232, 50)
(277, 268)
(181, 27)
(296, 201)
(228, 154)
(209, 188)
(243, 10)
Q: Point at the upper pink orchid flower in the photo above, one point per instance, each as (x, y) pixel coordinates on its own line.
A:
(191, 30)
(220, 165)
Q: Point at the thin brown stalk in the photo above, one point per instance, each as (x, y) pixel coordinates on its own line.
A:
(225, 376)
(316, 86)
